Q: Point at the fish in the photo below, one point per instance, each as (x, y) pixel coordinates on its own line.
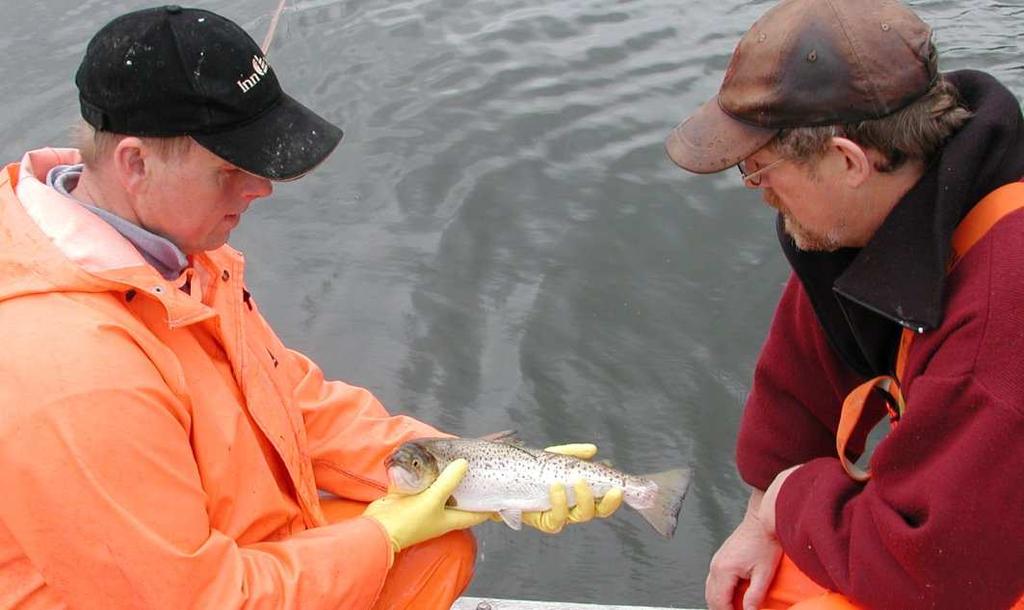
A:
(508, 478)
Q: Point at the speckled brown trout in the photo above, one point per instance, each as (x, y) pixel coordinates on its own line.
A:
(507, 478)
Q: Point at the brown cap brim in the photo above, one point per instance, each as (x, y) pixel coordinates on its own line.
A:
(710, 140)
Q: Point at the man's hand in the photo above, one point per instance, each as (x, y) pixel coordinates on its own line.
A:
(750, 553)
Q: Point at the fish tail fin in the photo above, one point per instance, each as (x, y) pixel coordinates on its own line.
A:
(661, 508)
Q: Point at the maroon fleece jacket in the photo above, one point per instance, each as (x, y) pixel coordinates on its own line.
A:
(941, 522)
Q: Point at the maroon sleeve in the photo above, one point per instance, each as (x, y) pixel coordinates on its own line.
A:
(940, 524)
(799, 384)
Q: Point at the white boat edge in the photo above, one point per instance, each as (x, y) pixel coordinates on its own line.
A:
(491, 603)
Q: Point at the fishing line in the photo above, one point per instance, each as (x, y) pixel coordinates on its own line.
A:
(273, 26)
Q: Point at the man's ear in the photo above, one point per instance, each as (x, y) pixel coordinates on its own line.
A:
(130, 158)
(857, 164)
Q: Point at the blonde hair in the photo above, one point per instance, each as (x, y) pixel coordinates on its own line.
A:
(917, 132)
(95, 146)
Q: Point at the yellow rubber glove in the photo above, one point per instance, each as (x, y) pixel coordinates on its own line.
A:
(410, 520)
(554, 519)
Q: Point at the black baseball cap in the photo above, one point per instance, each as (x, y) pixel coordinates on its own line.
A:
(173, 71)
(806, 63)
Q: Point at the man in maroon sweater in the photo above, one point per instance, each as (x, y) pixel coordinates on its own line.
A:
(835, 110)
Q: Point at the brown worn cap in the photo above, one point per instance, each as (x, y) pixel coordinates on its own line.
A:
(805, 63)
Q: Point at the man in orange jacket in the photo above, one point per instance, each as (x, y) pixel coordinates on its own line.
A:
(159, 446)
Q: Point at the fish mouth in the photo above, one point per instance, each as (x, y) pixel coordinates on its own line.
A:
(402, 481)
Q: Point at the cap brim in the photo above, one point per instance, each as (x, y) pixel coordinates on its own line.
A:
(711, 140)
(284, 143)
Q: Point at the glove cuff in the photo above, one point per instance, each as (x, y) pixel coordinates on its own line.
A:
(393, 548)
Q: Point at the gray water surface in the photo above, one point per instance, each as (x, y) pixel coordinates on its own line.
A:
(500, 241)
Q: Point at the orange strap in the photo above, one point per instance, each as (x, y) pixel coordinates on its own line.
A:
(853, 407)
(12, 171)
(983, 217)
(973, 227)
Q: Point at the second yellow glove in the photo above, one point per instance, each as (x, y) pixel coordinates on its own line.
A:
(553, 520)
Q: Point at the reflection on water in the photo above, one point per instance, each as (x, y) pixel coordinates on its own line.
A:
(500, 241)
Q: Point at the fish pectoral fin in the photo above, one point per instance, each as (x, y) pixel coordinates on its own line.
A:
(512, 518)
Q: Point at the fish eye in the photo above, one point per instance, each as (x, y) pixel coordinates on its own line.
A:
(415, 463)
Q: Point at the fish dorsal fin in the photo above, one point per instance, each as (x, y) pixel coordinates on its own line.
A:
(512, 518)
(508, 437)
(511, 439)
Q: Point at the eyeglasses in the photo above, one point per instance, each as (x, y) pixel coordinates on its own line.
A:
(754, 177)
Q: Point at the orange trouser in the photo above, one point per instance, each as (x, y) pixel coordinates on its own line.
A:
(428, 575)
(793, 590)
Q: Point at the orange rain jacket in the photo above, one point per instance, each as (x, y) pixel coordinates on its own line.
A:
(162, 448)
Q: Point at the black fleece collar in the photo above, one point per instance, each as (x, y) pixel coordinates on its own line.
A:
(861, 295)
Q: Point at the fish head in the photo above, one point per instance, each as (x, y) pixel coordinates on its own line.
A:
(411, 468)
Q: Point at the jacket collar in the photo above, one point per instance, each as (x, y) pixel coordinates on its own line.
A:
(57, 246)
(899, 276)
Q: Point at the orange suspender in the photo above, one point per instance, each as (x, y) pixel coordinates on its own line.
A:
(12, 174)
(978, 221)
